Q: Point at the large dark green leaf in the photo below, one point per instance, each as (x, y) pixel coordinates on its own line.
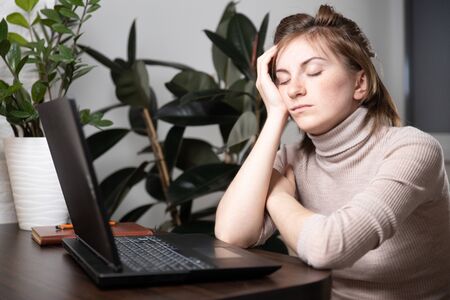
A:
(116, 186)
(262, 35)
(154, 62)
(101, 58)
(5, 45)
(244, 128)
(153, 184)
(212, 95)
(221, 62)
(136, 213)
(132, 44)
(195, 152)
(3, 30)
(200, 181)
(242, 33)
(191, 81)
(232, 52)
(172, 145)
(197, 113)
(132, 85)
(244, 92)
(104, 140)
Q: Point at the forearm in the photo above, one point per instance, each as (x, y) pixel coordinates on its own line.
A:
(288, 215)
(240, 213)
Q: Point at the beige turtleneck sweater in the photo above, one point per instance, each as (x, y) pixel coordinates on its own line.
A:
(381, 204)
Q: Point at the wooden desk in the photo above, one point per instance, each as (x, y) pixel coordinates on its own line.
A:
(28, 271)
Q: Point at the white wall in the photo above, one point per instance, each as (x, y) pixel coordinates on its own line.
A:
(172, 30)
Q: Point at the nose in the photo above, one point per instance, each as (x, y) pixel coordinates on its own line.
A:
(296, 88)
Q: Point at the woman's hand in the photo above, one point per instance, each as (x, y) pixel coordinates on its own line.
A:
(267, 88)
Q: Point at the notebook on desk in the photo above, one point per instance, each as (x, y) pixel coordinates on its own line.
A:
(113, 261)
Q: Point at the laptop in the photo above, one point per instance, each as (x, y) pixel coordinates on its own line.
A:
(124, 261)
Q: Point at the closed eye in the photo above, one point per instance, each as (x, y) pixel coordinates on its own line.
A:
(315, 74)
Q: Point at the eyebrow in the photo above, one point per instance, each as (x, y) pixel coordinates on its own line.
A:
(302, 64)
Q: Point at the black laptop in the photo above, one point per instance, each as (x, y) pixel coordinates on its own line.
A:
(117, 261)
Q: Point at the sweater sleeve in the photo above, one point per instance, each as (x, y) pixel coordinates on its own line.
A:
(405, 179)
(269, 227)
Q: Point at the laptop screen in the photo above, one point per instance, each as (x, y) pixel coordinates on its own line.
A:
(76, 175)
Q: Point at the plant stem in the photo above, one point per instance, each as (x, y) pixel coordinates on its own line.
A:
(160, 163)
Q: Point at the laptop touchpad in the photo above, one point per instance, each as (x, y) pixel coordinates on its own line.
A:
(218, 252)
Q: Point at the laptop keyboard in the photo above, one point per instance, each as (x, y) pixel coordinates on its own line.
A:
(153, 254)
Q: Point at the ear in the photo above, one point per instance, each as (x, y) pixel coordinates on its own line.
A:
(361, 86)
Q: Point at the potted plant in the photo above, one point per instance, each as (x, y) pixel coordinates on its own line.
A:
(52, 49)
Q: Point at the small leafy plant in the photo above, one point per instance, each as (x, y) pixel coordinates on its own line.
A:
(52, 50)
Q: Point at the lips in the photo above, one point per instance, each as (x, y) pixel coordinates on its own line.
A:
(300, 107)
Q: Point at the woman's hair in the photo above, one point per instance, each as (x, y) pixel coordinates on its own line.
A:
(344, 38)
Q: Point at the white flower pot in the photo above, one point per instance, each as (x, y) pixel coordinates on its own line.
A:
(7, 211)
(38, 198)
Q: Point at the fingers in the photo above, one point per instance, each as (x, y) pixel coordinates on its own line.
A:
(263, 63)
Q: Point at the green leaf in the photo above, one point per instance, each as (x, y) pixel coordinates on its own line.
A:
(195, 152)
(20, 65)
(68, 13)
(66, 53)
(20, 114)
(262, 35)
(102, 59)
(190, 81)
(17, 19)
(232, 52)
(17, 38)
(52, 15)
(244, 128)
(153, 62)
(60, 28)
(102, 141)
(5, 45)
(93, 8)
(81, 72)
(38, 91)
(172, 145)
(14, 56)
(220, 60)
(76, 2)
(137, 213)
(243, 96)
(242, 32)
(132, 86)
(116, 186)
(132, 44)
(197, 113)
(153, 184)
(3, 30)
(200, 181)
(26, 5)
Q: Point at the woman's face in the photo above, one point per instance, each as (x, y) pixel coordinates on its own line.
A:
(318, 89)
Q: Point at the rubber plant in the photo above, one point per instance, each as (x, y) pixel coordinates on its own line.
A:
(229, 101)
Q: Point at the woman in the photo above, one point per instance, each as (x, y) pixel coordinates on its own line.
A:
(361, 195)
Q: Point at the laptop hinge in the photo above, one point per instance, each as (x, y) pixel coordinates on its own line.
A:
(113, 266)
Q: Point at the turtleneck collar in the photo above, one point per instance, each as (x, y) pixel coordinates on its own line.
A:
(344, 136)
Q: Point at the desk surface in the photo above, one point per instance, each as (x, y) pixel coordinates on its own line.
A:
(28, 271)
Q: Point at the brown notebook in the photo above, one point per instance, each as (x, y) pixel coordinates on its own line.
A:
(49, 235)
